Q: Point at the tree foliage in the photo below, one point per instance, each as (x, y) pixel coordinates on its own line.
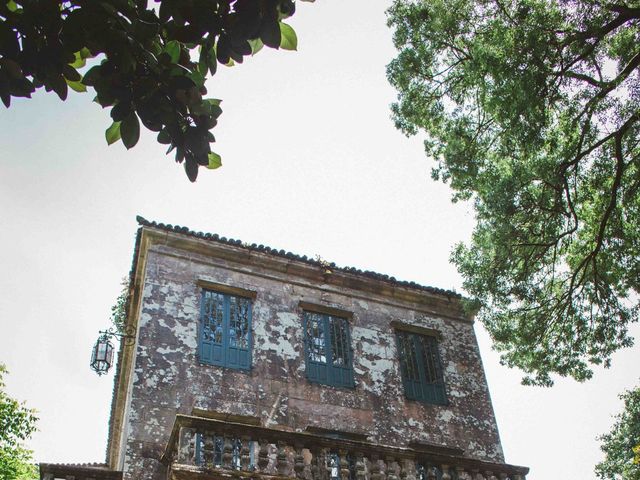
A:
(118, 316)
(621, 445)
(531, 108)
(17, 423)
(148, 63)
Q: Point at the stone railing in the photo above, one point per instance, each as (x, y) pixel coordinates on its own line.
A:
(202, 448)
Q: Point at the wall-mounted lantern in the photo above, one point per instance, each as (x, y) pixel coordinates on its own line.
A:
(102, 353)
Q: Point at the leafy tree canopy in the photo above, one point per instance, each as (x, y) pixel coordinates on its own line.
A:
(17, 423)
(150, 62)
(531, 108)
(621, 446)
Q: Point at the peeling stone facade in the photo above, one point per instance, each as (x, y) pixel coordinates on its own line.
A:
(162, 376)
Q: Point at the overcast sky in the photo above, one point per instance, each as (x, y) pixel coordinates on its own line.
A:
(311, 163)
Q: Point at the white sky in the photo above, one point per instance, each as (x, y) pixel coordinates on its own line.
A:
(311, 163)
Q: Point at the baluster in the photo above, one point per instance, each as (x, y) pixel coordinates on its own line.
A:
(490, 476)
(431, 473)
(208, 449)
(408, 470)
(227, 453)
(476, 475)
(383, 469)
(298, 461)
(315, 463)
(361, 467)
(343, 465)
(445, 472)
(263, 455)
(392, 469)
(282, 460)
(462, 474)
(245, 453)
(375, 467)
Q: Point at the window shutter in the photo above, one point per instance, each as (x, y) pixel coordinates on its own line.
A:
(328, 350)
(206, 336)
(341, 367)
(225, 330)
(421, 368)
(239, 333)
(313, 327)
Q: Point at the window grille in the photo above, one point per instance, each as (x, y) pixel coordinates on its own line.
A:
(421, 368)
(328, 349)
(225, 331)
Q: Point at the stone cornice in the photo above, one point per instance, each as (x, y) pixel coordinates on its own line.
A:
(323, 276)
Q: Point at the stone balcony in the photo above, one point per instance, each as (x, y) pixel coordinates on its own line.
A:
(203, 448)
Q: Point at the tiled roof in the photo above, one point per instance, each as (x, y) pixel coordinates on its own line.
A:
(78, 465)
(213, 237)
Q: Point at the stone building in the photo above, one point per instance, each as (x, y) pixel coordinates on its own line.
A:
(251, 362)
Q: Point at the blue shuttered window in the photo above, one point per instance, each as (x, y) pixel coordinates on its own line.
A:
(225, 330)
(328, 350)
(421, 368)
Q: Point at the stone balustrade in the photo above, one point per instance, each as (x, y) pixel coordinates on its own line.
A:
(201, 448)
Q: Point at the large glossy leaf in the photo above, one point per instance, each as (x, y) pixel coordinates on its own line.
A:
(77, 86)
(288, 37)
(256, 45)
(130, 130)
(112, 134)
(191, 168)
(215, 161)
(270, 32)
(172, 48)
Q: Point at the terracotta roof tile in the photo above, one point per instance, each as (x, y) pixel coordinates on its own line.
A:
(214, 237)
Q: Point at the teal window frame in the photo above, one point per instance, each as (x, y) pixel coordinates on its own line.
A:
(222, 315)
(328, 352)
(421, 367)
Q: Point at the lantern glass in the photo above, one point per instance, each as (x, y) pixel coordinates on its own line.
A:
(102, 355)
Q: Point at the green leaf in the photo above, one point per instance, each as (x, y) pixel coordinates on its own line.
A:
(172, 48)
(130, 130)
(77, 86)
(112, 134)
(164, 137)
(270, 32)
(214, 106)
(215, 161)
(203, 60)
(92, 76)
(213, 62)
(12, 6)
(288, 37)
(197, 77)
(79, 62)
(256, 45)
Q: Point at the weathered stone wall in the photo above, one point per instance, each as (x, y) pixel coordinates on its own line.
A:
(168, 378)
